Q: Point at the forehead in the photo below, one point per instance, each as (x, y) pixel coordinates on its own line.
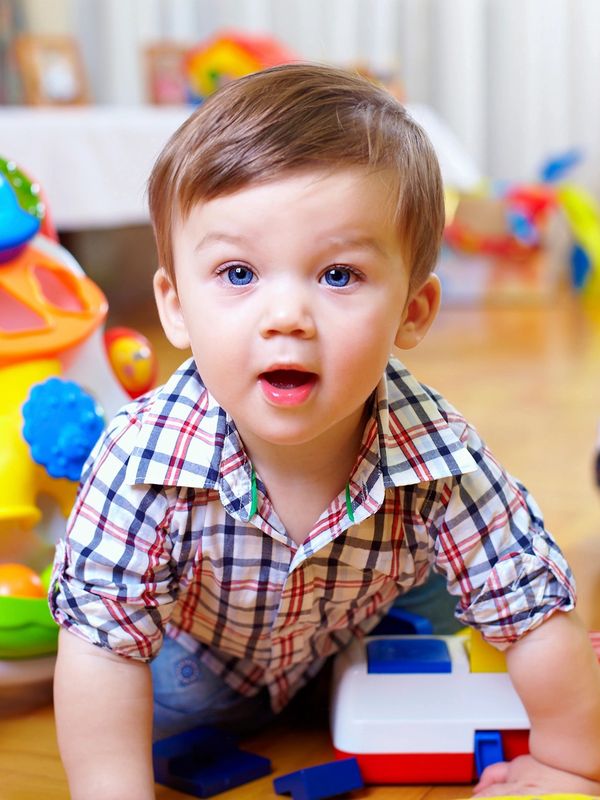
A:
(326, 200)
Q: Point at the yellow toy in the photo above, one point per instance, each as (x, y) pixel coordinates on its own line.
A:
(482, 656)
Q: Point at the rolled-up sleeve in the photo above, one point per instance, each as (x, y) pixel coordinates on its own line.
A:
(491, 544)
(116, 575)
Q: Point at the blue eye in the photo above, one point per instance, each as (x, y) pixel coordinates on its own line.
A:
(338, 277)
(239, 275)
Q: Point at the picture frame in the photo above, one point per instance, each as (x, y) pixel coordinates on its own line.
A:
(166, 80)
(51, 70)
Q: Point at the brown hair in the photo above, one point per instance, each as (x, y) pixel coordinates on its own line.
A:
(294, 117)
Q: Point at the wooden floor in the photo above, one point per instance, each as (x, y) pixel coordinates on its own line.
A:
(529, 379)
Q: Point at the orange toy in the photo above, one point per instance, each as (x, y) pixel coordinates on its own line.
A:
(16, 580)
(46, 308)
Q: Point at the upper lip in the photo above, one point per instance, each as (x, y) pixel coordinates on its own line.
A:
(287, 367)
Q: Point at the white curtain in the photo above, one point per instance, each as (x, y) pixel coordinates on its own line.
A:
(516, 80)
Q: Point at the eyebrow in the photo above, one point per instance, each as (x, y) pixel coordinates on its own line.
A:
(213, 237)
(356, 242)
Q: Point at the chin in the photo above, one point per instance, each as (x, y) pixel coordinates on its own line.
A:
(286, 435)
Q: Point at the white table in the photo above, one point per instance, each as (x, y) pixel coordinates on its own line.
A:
(93, 162)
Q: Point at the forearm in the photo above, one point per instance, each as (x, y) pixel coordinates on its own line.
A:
(103, 706)
(555, 672)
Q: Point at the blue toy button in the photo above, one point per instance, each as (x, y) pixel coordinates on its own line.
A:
(62, 423)
(488, 749)
(410, 655)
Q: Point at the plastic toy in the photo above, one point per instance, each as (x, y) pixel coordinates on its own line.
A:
(322, 781)
(509, 240)
(17, 580)
(428, 733)
(58, 388)
(399, 621)
(228, 56)
(205, 761)
(488, 749)
(391, 656)
(132, 359)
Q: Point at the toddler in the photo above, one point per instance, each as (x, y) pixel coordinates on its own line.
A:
(244, 522)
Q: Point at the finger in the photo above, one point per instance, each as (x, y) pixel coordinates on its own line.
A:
(495, 773)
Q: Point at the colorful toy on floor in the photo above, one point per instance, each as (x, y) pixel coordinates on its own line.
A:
(513, 242)
(322, 781)
(440, 726)
(205, 761)
(58, 388)
(431, 731)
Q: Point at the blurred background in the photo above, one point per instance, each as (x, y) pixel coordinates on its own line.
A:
(502, 86)
(514, 79)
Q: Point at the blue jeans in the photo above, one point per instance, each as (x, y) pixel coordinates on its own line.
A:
(187, 694)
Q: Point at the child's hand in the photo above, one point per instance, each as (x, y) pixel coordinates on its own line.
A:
(526, 775)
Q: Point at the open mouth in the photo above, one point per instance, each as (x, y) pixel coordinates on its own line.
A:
(287, 378)
(287, 386)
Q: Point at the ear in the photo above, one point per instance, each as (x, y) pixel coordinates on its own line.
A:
(169, 310)
(419, 312)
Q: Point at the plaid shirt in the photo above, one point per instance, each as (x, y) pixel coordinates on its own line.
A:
(169, 533)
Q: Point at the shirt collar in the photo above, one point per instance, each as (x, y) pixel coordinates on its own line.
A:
(416, 441)
(186, 439)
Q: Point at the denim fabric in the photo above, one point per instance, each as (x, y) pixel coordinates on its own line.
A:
(187, 694)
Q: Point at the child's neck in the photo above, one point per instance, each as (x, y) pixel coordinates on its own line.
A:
(302, 480)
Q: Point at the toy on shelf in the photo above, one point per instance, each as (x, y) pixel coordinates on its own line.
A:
(230, 55)
(58, 388)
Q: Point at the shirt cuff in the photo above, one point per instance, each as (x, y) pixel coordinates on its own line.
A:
(130, 629)
(521, 591)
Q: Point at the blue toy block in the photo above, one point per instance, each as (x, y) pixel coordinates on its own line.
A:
(409, 655)
(399, 622)
(488, 749)
(204, 762)
(324, 780)
(202, 739)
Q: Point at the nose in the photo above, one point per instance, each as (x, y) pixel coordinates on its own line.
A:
(288, 312)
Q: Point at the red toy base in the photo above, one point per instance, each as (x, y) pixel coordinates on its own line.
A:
(427, 768)
(396, 768)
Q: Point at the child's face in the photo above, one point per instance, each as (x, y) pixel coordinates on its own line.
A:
(291, 295)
